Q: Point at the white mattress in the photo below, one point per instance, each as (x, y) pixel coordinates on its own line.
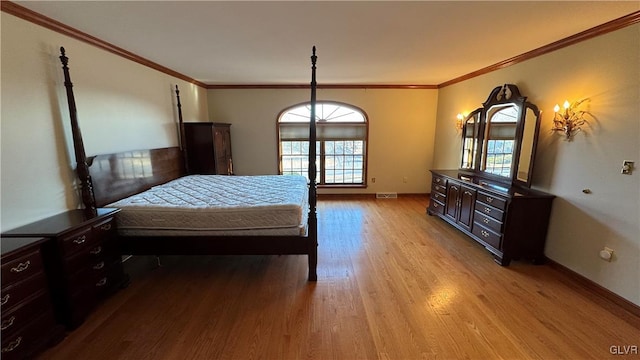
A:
(218, 205)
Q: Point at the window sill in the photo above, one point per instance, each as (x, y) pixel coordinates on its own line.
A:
(343, 186)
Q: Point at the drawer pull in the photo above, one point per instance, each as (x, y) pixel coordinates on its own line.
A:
(4, 299)
(7, 323)
(21, 267)
(489, 199)
(454, 188)
(102, 282)
(487, 210)
(105, 227)
(95, 251)
(468, 193)
(12, 345)
(438, 180)
(484, 233)
(485, 220)
(80, 240)
(98, 266)
(435, 205)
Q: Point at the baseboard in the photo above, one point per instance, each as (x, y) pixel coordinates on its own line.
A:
(611, 301)
(366, 196)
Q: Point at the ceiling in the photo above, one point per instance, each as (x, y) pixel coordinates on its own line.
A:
(358, 42)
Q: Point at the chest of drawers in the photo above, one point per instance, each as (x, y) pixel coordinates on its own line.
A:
(28, 320)
(510, 222)
(83, 260)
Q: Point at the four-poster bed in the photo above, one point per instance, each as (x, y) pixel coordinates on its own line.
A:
(106, 180)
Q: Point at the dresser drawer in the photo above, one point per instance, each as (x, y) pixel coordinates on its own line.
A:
(13, 294)
(496, 202)
(21, 268)
(487, 235)
(29, 339)
(437, 180)
(76, 241)
(438, 188)
(488, 221)
(489, 211)
(22, 314)
(438, 197)
(436, 207)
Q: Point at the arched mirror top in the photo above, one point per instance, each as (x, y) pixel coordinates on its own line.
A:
(499, 139)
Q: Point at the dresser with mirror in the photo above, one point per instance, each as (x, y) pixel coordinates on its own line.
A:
(489, 197)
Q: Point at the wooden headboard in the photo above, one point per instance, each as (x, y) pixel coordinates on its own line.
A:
(116, 176)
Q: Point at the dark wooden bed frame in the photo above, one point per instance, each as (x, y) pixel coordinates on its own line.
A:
(111, 177)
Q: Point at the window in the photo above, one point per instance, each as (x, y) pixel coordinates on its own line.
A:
(341, 145)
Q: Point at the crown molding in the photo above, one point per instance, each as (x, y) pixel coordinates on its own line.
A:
(322, 86)
(39, 19)
(608, 27)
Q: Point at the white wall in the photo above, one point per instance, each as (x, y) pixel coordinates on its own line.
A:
(401, 131)
(121, 106)
(605, 69)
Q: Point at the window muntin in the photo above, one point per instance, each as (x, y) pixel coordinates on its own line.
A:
(341, 147)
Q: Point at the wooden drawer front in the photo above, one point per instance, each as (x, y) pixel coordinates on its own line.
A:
(436, 207)
(438, 197)
(105, 230)
(496, 202)
(77, 241)
(438, 188)
(21, 344)
(439, 181)
(489, 210)
(12, 295)
(488, 221)
(21, 268)
(486, 235)
(21, 315)
(91, 258)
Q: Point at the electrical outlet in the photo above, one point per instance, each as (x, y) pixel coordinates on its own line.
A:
(373, 180)
(405, 179)
(627, 167)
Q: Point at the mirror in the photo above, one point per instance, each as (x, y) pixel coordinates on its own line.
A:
(470, 136)
(499, 139)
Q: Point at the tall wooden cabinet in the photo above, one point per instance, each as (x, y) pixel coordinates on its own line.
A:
(208, 146)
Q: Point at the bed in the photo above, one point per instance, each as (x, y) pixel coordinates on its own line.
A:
(165, 211)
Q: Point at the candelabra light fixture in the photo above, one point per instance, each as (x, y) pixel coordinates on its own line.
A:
(460, 121)
(570, 120)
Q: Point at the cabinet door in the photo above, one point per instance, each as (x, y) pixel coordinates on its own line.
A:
(451, 208)
(222, 150)
(467, 201)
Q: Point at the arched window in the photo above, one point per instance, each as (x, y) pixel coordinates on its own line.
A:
(341, 145)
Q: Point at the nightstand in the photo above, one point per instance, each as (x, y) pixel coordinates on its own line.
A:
(82, 260)
(28, 318)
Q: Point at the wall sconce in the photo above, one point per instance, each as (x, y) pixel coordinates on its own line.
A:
(570, 120)
(460, 121)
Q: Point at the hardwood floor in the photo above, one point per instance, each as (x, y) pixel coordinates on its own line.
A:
(393, 283)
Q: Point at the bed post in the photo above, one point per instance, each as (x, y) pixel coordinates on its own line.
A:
(82, 169)
(181, 137)
(313, 221)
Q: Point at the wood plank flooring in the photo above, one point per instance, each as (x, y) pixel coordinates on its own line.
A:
(393, 283)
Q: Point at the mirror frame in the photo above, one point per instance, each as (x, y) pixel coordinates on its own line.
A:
(505, 95)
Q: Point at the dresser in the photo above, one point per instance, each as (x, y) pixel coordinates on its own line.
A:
(28, 318)
(208, 146)
(82, 260)
(509, 221)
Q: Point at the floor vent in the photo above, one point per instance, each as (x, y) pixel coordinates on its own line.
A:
(386, 195)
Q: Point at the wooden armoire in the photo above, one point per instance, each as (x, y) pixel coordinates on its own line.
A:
(208, 146)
